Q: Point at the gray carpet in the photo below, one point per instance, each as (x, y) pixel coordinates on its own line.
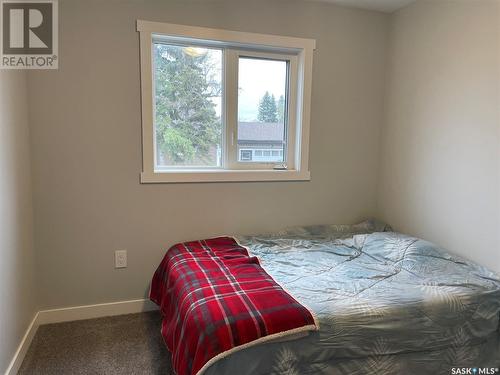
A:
(126, 344)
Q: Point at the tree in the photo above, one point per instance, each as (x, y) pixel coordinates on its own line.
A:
(187, 126)
(281, 109)
(268, 111)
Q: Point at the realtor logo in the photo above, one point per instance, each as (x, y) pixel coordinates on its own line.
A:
(29, 34)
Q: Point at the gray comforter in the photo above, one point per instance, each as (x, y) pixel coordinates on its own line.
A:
(386, 303)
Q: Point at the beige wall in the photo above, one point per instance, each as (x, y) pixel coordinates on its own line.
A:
(86, 146)
(440, 147)
(18, 304)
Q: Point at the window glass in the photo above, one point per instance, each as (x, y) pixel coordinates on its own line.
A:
(262, 109)
(187, 106)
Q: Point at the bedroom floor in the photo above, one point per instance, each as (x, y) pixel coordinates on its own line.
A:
(126, 344)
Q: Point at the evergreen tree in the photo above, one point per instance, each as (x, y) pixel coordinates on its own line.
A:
(281, 109)
(268, 111)
(187, 126)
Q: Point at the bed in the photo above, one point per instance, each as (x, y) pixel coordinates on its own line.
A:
(384, 302)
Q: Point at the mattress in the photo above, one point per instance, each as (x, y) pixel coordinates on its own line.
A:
(385, 301)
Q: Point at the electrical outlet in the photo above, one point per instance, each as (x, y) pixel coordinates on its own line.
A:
(120, 258)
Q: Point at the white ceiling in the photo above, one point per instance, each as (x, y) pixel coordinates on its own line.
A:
(387, 6)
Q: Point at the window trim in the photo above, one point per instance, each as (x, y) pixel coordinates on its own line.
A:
(300, 47)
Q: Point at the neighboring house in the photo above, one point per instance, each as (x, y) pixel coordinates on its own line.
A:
(258, 142)
(261, 142)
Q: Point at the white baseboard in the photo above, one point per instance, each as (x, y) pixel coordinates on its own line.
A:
(17, 360)
(74, 313)
(69, 314)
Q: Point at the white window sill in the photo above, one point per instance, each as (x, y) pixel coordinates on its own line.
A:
(224, 176)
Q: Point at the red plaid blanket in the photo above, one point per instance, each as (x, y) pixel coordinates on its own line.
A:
(214, 298)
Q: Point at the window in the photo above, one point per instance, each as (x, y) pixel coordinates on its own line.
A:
(245, 155)
(187, 106)
(262, 109)
(219, 105)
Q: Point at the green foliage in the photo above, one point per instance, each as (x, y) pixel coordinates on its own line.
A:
(176, 145)
(187, 126)
(268, 111)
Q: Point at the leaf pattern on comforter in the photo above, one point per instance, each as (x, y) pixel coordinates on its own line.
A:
(385, 301)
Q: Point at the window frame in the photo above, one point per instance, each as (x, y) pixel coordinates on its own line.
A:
(232, 162)
(299, 53)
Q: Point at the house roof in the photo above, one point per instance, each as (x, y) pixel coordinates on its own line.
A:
(261, 131)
